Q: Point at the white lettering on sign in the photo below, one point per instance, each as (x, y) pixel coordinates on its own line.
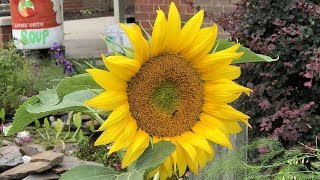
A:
(28, 25)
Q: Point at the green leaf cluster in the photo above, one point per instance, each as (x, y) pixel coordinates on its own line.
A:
(152, 157)
(68, 95)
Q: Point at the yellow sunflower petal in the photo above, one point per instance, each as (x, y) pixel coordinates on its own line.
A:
(120, 113)
(224, 72)
(108, 100)
(227, 126)
(189, 32)
(226, 86)
(121, 66)
(167, 164)
(225, 112)
(190, 154)
(152, 173)
(212, 133)
(139, 43)
(173, 27)
(231, 49)
(210, 61)
(181, 160)
(201, 45)
(136, 148)
(126, 137)
(107, 80)
(158, 39)
(197, 141)
(203, 157)
(163, 173)
(111, 133)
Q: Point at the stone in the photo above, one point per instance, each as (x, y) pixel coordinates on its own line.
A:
(26, 159)
(85, 117)
(7, 143)
(88, 124)
(53, 158)
(10, 156)
(31, 150)
(24, 170)
(68, 150)
(71, 162)
(39, 163)
(42, 176)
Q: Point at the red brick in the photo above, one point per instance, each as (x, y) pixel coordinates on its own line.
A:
(187, 1)
(181, 9)
(152, 16)
(169, 2)
(145, 24)
(137, 8)
(5, 30)
(5, 38)
(164, 8)
(141, 1)
(141, 16)
(190, 9)
(146, 8)
(156, 1)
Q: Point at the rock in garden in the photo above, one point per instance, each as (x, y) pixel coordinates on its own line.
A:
(24, 170)
(6, 143)
(10, 156)
(39, 163)
(53, 158)
(68, 149)
(85, 117)
(42, 176)
(31, 150)
(88, 124)
(71, 162)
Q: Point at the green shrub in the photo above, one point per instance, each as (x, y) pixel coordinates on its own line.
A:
(286, 93)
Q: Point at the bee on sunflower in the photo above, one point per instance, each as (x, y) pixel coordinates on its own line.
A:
(174, 90)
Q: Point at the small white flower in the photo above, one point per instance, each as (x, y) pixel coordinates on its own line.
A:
(24, 136)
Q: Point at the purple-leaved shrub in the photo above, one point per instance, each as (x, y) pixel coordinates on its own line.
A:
(285, 102)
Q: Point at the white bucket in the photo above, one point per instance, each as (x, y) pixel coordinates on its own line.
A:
(116, 33)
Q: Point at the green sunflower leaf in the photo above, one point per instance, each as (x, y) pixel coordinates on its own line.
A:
(89, 172)
(149, 160)
(76, 83)
(70, 102)
(248, 55)
(154, 155)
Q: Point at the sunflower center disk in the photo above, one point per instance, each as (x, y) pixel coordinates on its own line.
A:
(166, 96)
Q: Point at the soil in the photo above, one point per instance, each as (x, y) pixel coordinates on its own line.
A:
(85, 14)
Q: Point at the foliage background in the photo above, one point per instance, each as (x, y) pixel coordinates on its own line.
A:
(286, 93)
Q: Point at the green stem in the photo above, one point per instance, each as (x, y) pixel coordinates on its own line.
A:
(41, 134)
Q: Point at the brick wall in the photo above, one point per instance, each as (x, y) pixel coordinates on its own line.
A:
(72, 5)
(145, 10)
(77, 5)
(5, 35)
(5, 30)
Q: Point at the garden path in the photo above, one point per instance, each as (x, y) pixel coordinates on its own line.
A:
(82, 37)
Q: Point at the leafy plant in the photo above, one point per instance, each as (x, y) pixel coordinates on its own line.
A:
(286, 93)
(267, 159)
(149, 160)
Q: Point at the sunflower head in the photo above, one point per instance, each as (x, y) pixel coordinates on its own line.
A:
(174, 90)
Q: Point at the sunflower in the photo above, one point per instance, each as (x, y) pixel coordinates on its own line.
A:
(174, 90)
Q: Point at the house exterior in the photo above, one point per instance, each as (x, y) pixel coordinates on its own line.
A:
(144, 11)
